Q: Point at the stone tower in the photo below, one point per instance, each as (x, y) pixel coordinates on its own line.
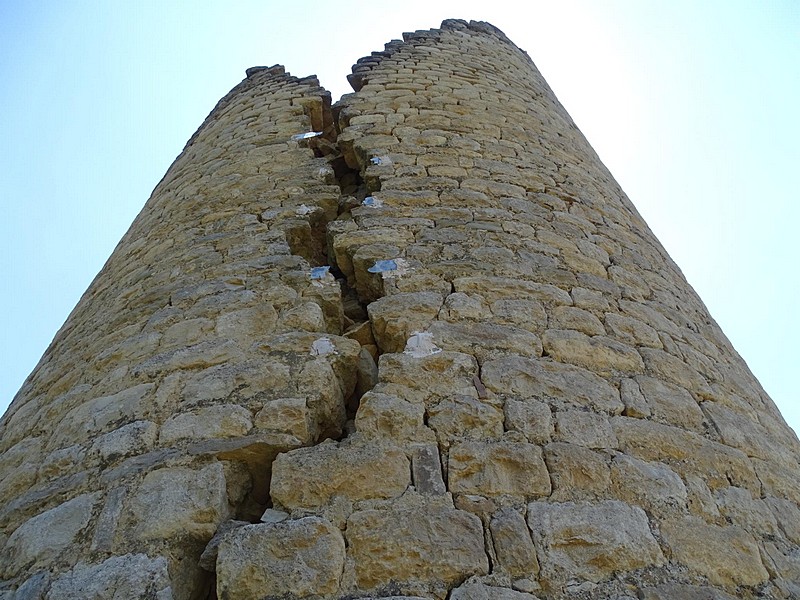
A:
(415, 344)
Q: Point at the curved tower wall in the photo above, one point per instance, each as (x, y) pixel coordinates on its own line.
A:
(502, 385)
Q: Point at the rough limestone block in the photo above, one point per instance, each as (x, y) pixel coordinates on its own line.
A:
(48, 535)
(687, 453)
(577, 473)
(671, 591)
(631, 331)
(387, 417)
(465, 417)
(312, 477)
(752, 514)
(295, 558)
(428, 378)
(395, 318)
(287, 415)
(727, 556)
(591, 542)
(100, 415)
(787, 515)
(497, 468)
(651, 485)
(570, 317)
(208, 422)
(583, 428)
(485, 341)
(429, 543)
(543, 379)
(130, 576)
(671, 404)
(476, 590)
(531, 418)
(179, 501)
(426, 470)
(513, 546)
(599, 354)
(134, 438)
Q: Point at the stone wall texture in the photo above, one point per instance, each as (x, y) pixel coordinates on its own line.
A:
(416, 344)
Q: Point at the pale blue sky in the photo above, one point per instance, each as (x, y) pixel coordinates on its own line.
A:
(693, 106)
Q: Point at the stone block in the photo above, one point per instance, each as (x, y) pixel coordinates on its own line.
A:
(599, 354)
(651, 485)
(176, 502)
(287, 415)
(671, 404)
(577, 473)
(427, 379)
(465, 417)
(532, 418)
(583, 428)
(130, 576)
(300, 558)
(313, 477)
(577, 319)
(208, 422)
(395, 318)
(473, 589)
(590, 542)
(727, 556)
(134, 438)
(544, 379)
(429, 543)
(485, 341)
(47, 536)
(498, 468)
(513, 546)
(426, 470)
(387, 417)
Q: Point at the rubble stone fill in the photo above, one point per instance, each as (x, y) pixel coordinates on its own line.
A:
(415, 344)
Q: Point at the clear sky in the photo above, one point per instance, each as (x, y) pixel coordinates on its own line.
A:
(693, 106)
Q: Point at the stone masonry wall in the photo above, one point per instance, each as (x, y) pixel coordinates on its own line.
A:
(428, 349)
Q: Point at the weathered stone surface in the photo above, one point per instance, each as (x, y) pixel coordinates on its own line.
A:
(223, 421)
(130, 576)
(598, 353)
(387, 417)
(312, 477)
(428, 543)
(287, 415)
(531, 378)
(178, 501)
(670, 591)
(426, 470)
(671, 404)
(134, 438)
(512, 543)
(531, 418)
(485, 341)
(395, 318)
(585, 429)
(476, 590)
(497, 468)
(577, 473)
(296, 558)
(465, 417)
(591, 541)
(48, 536)
(686, 452)
(424, 379)
(651, 485)
(735, 559)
